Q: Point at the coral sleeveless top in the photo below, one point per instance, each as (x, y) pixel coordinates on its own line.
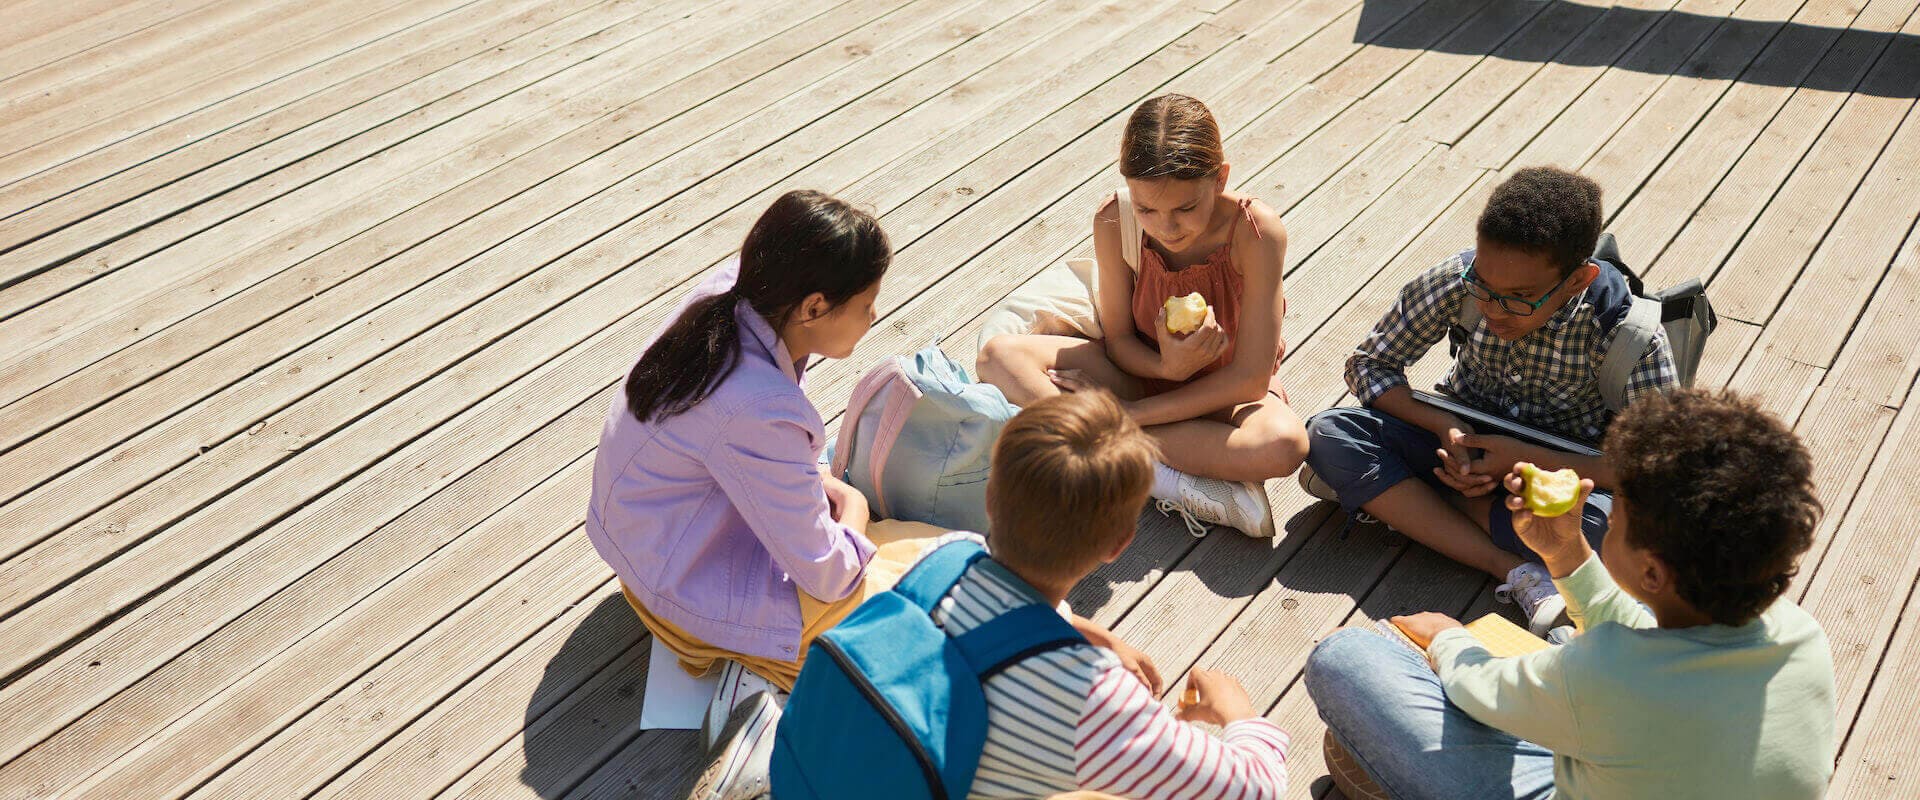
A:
(1214, 278)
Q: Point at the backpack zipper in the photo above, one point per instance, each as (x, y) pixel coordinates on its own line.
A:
(937, 787)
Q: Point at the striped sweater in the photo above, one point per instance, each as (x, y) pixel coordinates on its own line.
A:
(1074, 718)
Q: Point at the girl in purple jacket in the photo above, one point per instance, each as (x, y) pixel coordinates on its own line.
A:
(708, 500)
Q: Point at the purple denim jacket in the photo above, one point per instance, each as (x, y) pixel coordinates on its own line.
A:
(713, 517)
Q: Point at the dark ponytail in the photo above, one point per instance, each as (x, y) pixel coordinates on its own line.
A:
(806, 242)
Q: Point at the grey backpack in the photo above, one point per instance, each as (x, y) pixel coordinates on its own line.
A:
(1682, 309)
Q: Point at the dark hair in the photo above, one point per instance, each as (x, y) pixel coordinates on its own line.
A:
(1171, 136)
(1070, 474)
(1547, 211)
(806, 242)
(1720, 491)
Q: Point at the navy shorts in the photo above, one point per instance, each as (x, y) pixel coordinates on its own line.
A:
(1361, 452)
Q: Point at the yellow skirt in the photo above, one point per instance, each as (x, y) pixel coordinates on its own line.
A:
(898, 546)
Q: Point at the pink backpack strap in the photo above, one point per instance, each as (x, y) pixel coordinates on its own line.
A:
(893, 419)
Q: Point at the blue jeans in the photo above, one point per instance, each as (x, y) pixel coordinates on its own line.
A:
(1387, 708)
(1361, 452)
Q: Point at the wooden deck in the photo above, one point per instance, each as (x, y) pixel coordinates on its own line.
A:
(309, 313)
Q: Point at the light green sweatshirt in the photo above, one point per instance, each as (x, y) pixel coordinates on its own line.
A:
(1632, 710)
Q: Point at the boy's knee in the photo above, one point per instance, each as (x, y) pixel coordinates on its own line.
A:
(1337, 445)
(1334, 659)
(1342, 423)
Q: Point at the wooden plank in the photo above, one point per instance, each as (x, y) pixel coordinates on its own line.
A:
(1845, 435)
(1741, 197)
(221, 98)
(1870, 567)
(531, 719)
(451, 284)
(1878, 362)
(1846, 422)
(1808, 329)
(1514, 64)
(567, 744)
(277, 113)
(269, 228)
(131, 232)
(531, 347)
(188, 30)
(1730, 344)
(1787, 384)
(46, 35)
(338, 732)
(258, 601)
(650, 768)
(182, 78)
(1803, 211)
(1841, 277)
(38, 33)
(181, 758)
(1771, 123)
(1756, 52)
(1877, 757)
(1604, 73)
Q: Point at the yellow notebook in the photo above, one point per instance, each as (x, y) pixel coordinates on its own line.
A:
(1500, 636)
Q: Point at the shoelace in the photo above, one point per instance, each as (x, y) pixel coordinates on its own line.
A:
(1505, 592)
(1527, 592)
(1195, 527)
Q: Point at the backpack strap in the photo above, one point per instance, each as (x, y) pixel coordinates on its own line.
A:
(1630, 339)
(936, 573)
(1129, 228)
(1012, 637)
(1467, 318)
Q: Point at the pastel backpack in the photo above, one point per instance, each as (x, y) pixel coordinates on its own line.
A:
(889, 705)
(917, 440)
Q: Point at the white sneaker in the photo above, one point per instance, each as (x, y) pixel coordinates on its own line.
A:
(1540, 602)
(1316, 488)
(738, 769)
(737, 683)
(1236, 504)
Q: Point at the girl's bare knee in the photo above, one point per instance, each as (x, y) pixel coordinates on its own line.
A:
(997, 357)
(1282, 443)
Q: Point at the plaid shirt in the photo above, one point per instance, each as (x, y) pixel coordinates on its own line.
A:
(1545, 379)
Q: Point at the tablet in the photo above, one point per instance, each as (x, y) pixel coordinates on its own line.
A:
(1489, 423)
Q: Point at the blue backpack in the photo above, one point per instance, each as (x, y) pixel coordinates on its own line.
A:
(889, 705)
(917, 440)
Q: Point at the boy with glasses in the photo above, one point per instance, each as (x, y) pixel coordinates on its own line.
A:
(1547, 312)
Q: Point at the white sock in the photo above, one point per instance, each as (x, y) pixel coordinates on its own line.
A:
(1166, 482)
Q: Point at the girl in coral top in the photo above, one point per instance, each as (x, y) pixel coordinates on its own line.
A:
(1210, 397)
